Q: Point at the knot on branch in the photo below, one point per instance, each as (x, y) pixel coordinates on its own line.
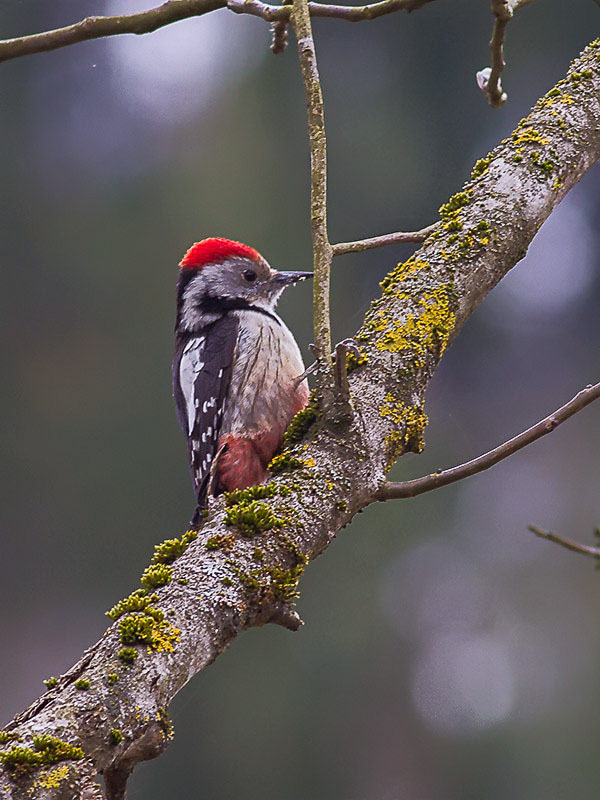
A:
(283, 614)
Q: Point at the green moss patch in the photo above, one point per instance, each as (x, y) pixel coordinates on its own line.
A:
(47, 750)
(153, 631)
(480, 167)
(156, 575)
(9, 736)
(455, 203)
(285, 462)
(171, 549)
(263, 491)
(221, 541)
(252, 518)
(139, 600)
(302, 422)
(127, 655)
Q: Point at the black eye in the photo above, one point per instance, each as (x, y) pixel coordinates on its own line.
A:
(249, 275)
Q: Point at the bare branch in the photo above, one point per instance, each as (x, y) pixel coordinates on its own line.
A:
(322, 252)
(98, 27)
(583, 549)
(348, 13)
(361, 245)
(175, 10)
(436, 480)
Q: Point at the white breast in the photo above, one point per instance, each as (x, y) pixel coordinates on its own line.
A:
(266, 368)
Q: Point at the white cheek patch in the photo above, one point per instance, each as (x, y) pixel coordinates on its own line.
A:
(189, 368)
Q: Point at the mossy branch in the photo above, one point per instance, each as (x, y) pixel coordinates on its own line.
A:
(242, 569)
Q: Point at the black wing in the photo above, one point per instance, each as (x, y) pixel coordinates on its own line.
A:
(201, 376)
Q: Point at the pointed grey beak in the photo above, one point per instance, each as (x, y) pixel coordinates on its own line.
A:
(286, 278)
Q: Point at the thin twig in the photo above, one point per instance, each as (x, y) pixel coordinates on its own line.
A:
(412, 488)
(322, 252)
(503, 14)
(348, 13)
(174, 10)
(380, 241)
(584, 549)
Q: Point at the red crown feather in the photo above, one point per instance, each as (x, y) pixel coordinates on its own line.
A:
(211, 251)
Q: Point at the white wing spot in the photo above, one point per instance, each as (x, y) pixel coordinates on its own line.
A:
(189, 369)
(194, 344)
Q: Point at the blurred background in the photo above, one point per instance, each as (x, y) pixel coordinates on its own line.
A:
(447, 654)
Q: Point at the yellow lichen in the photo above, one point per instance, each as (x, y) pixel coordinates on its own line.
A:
(555, 96)
(401, 272)
(394, 445)
(422, 333)
(153, 631)
(481, 166)
(164, 638)
(526, 135)
(53, 778)
(411, 421)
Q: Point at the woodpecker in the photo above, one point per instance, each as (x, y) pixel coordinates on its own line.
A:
(236, 368)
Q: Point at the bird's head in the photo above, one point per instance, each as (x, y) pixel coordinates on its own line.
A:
(219, 274)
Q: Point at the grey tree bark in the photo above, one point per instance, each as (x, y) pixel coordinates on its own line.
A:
(109, 712)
